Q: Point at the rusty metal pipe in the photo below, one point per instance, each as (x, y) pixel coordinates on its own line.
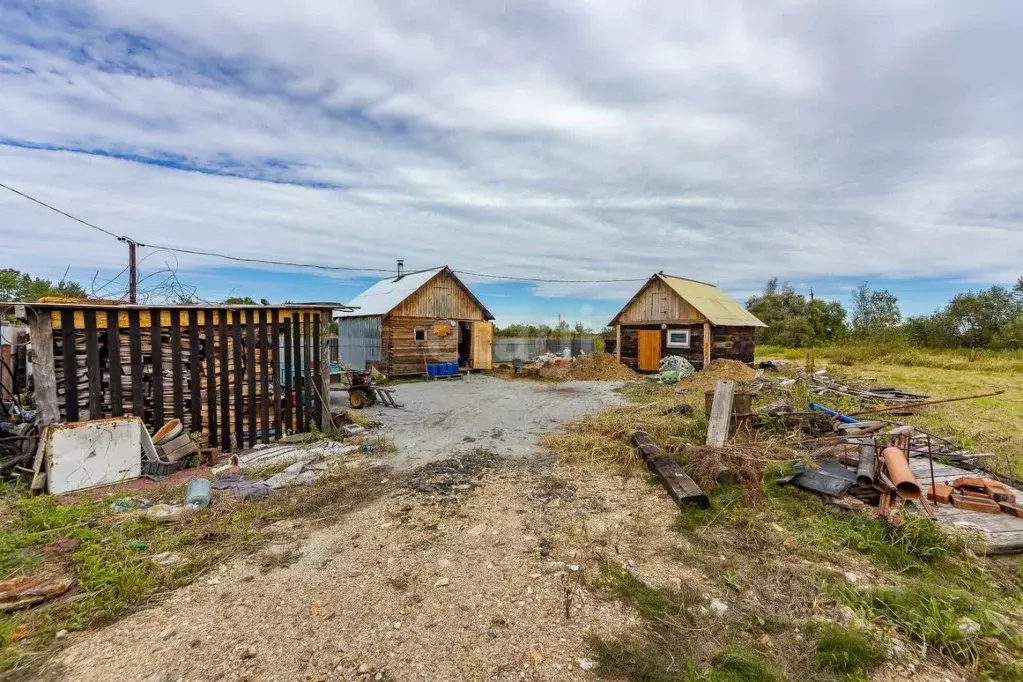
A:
(906, 486)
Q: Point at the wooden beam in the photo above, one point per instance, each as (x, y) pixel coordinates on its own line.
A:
(250, 371)
(114, 365)
(92, 366)
(720, 413)
(264, 379)
(706, 343)
(676, 482)
(618, 342)
(239, 381)
(156, 344)
(275, 368)
(224, 389)
(177, 375)
(70, 365)
(138, 400)
(195, 372)
(307, 371)
(297, 385)
(44, 372)
(289, 381)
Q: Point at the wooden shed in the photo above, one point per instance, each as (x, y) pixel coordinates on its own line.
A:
(402, 324)
(677, 316)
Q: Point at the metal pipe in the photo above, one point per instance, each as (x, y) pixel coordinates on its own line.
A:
(907, 406)
(867, 467)
(902, 476)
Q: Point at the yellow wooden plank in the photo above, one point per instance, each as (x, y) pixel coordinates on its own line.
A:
(145, 317)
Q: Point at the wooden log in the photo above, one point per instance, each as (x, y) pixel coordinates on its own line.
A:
(43, 367)
(679, 486)
(721, 413)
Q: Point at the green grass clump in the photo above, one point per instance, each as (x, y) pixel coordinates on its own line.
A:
(848, 652)
(930, 615)
(736, 665)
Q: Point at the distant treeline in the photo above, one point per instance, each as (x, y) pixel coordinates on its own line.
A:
(544, 331)
(988, 318)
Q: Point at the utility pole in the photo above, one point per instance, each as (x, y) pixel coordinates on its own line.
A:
(133, 273)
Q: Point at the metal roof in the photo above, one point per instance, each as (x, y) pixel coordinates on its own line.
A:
(717, 306)
(387, 294)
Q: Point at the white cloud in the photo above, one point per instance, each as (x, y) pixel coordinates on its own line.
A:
(726, 141)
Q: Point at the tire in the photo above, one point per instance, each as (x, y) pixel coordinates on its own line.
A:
(357, 399)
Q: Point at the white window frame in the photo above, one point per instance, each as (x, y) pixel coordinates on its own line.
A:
(671, 344)
(415, 334)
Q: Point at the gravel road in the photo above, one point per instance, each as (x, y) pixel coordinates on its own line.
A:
(444, 418)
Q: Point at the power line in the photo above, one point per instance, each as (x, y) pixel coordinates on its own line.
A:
(64, 213)
(313, 266)
(549, 280)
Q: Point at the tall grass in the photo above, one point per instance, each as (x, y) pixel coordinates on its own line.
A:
(904, 355)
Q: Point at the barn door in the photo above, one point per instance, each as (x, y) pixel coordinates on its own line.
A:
(649, 350)
(482, 345)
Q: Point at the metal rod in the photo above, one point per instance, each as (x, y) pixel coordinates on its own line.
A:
(906, 406)
(930, 456)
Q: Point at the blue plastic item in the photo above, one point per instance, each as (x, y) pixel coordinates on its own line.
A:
(197, 495)
(814, 407)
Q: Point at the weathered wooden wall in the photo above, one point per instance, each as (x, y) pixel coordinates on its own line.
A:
(733, 343)
(403, 355)
(657, 302)
(630, 343)
(220, 371)
(440, 298)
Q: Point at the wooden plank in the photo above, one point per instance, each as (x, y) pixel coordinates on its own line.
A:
(319, 385)
(44, 369)
(239, 395)
(138, 400)
(720, 413)
(195, 372)
(250, 371)
(70, 366)
(177, 375)
(289, 380)
(224, 389)
(264, 380)
(618, 342)
(275, 364)
(679, 486)
(93, 367)
(307, 372)
(114, 365)
(706, 343)
(156, 343)
(296, 339)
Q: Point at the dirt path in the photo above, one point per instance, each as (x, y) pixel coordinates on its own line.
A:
(409, 588)
(442, 418)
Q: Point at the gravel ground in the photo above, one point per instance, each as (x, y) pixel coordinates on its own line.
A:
(444, 418)
(491, 588)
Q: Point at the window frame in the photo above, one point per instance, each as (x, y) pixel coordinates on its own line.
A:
(416, 331)
(670, 344)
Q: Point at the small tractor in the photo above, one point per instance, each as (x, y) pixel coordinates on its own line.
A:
(363, 391)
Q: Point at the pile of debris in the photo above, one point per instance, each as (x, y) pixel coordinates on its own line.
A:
(593, 367)
(863, 465)
(821, 383)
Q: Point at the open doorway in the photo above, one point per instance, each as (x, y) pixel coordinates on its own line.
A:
(464, 343)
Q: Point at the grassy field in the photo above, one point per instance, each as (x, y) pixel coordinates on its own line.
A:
(919, 598)
(983, 425)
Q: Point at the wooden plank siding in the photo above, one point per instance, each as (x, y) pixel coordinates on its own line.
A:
(440, 298)
(658, 303)
(216, 369)
(733, 343)
(403, 355)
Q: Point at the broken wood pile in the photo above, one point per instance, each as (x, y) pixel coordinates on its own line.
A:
(821, 383)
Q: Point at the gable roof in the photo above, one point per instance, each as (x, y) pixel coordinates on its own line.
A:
(717, 306)
(387, 294)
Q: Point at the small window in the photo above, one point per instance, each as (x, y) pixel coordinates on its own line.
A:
(421, 335)
(678, 338)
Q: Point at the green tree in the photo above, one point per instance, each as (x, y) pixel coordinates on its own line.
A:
(875, 312)
(20, 286)
(239, 300)
(792, 319)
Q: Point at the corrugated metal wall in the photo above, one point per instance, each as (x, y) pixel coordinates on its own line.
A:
(508, 349)
(359, 341)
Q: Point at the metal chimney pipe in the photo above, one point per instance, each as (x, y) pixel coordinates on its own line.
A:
(401, 268)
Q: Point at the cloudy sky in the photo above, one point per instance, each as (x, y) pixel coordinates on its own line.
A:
(823, 142)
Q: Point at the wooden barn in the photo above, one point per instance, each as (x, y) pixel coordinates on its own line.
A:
(677, 316)
(402, 324)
